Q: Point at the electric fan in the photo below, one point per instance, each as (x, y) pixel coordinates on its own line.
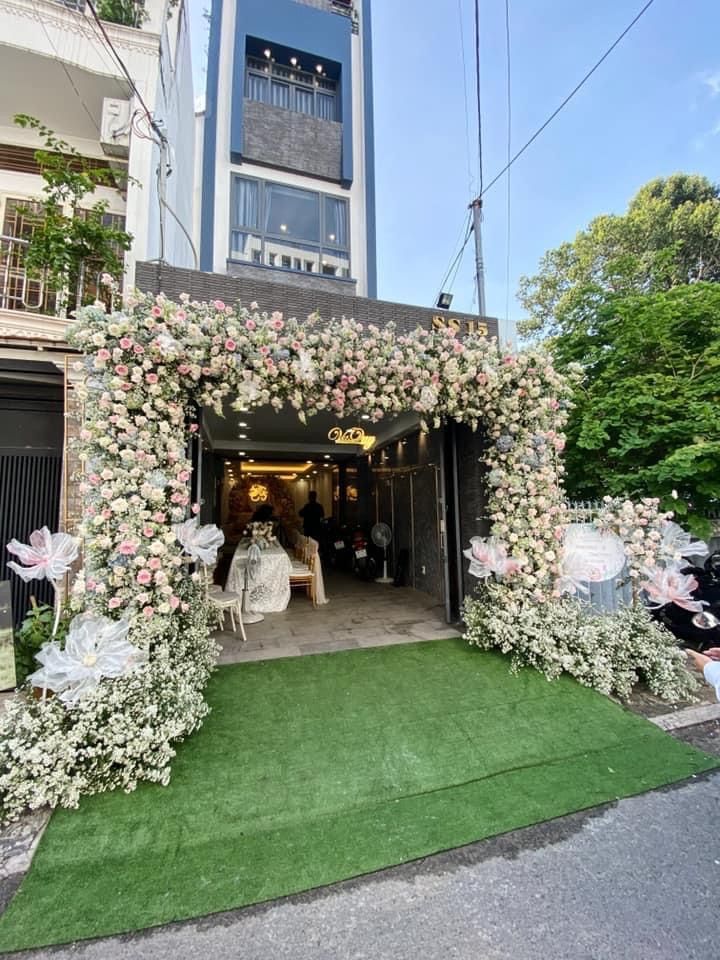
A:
(381, 535)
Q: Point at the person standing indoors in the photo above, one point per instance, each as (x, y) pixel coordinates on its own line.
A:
(312, 515)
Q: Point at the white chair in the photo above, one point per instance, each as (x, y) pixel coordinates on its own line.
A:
(222, 601)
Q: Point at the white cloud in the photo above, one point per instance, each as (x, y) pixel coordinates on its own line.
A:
(712, 82)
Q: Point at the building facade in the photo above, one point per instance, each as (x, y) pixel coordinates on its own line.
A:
(61, 66)
(285, 144)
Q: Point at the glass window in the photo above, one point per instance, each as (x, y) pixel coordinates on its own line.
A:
(246, 203)
(336, 228)
(257, 87)
(326, 106)
(304, 101)
(290, 212)
(280, 95)
(280, 225)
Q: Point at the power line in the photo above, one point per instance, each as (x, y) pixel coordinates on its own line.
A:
(467, 231)
(124, 69)
(477, 90)
(67, 73)
(569, 97)
(471, 177)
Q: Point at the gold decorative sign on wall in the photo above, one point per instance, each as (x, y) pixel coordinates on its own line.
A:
(479, 327)
(258, 493)
(353, 435)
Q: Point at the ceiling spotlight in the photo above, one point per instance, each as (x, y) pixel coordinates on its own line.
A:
(227, 463)
(250, 460)
(318, 67)
(365, 416)
(242, 436)
(241, 453)
(293, 61)
(443, 301)
(267, 52)
(283, 228)
(331, 236)
(327, 456)
(308, 461)
(242, 424)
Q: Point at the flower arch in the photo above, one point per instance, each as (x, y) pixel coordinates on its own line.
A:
(146, 367)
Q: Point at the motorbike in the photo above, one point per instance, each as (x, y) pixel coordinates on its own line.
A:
(364, 563)
(698, 630)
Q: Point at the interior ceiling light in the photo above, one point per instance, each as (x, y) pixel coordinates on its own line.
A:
(227, 463)
(283, 228)
(294, 61)
(318, 67)
(308, 461)
(250, 460)
(267, 52)
(331, 236)
(242, 436)
(365, 416)
(283, 470)
(242, 424)
(327, 456)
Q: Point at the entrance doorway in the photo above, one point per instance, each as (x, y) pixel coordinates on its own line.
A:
(362, 474)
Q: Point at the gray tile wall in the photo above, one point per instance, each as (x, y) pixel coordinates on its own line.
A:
(293, 301)
(292, 141)
(292, 278)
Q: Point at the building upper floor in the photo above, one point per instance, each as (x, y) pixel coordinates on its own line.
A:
(286, 133)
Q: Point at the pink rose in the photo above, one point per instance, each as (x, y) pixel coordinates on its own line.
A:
(194, 428)
(250, 323)
(127, 548)
(156, 312)
(126, 343)
(148, 611)
(103, 354)
(114, 603)
(183, 369)
(184, 476)
(148, 532)
(154, 563)
(230, 344)
(195, 508)
(121, 370)
(138, 349)
(219, 305)
(143, 577)
(159, 517)
(151, 377)
(174, 602)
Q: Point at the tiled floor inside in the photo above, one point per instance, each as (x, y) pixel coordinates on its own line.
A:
(359, 614)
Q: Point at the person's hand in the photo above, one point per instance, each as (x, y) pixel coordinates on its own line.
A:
(713, 653)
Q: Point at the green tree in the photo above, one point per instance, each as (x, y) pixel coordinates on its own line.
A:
(670, 235)
(70, 239)
(646, 420)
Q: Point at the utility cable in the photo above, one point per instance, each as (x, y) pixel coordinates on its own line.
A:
(568, 98)
(67, 73)
(467, 229)
(471, 177)
(478, 97)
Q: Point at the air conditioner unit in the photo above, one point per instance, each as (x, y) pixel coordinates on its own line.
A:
(115, 127)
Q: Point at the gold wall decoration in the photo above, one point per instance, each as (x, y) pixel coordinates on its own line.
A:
(353, 435)
(258, 493)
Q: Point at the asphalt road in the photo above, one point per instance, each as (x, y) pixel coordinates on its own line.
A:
(636, 880)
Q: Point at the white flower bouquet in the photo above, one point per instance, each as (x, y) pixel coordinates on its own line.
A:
(260, 534)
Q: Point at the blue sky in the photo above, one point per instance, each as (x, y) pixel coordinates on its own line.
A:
(653, 108)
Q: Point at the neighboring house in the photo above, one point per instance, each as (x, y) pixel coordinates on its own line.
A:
(58, 64)
(287, 190)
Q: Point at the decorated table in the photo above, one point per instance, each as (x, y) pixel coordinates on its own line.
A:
(268, 578)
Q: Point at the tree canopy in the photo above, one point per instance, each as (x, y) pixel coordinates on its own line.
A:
(634, 300)
(670, 235)
(646, 420)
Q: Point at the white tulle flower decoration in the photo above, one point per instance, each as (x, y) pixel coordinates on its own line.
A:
(677, 543)
(489, 557)
(47, 556)
(668, 585)
(200, 542)
(95, 647)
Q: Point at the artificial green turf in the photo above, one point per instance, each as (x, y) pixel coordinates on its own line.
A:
(315, 769)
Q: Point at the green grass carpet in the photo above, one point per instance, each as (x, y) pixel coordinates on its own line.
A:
(315, 769)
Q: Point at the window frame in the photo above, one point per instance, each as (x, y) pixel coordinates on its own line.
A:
(297, 81)
(300, 248)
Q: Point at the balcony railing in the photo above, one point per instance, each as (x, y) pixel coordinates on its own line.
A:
(77, 5)
(21, 291)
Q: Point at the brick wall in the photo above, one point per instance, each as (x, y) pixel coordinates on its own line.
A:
(292, 141)
(291, 278)
(292, 301)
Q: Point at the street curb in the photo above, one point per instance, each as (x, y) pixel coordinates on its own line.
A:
(688, 717)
